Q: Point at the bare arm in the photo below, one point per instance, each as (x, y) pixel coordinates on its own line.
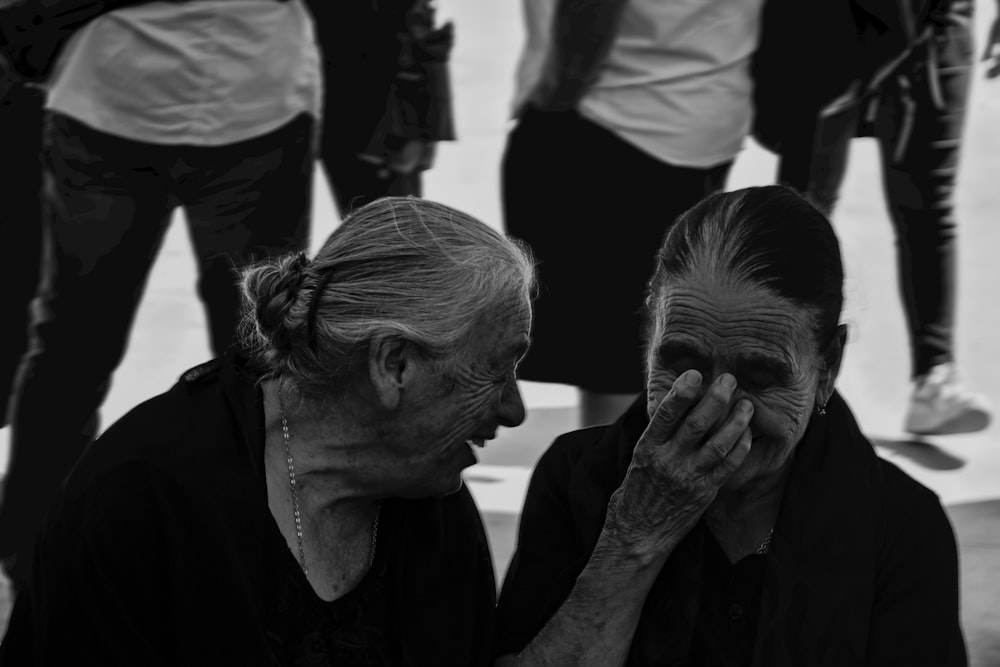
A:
(992, 53)
(582, 34)
(674, 476)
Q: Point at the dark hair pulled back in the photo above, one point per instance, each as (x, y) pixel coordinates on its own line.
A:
(767, 235)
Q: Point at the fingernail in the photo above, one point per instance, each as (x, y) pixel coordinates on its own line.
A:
(728, 381)
(690, 378)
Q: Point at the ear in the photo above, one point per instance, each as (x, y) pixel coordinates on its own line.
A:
(832, 358)
(391, 365)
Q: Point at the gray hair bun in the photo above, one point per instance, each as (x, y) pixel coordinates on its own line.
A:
(272, 289)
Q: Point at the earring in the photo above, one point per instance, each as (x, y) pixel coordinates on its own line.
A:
(821, 410)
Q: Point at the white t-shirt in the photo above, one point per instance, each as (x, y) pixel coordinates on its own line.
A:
(207, 73)
(676, 83)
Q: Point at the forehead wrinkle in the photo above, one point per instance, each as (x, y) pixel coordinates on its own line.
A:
(739, 319)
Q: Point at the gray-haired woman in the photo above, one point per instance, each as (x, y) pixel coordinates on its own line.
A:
(301, 501)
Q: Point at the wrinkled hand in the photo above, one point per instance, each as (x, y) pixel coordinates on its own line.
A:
(992, 53)
(682, 459)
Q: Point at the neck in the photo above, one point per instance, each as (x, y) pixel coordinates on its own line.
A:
(741, 519)
(330, 451)
(759, 498)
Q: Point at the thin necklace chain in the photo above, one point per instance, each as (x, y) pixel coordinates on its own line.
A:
(765, 546)
(295, 498)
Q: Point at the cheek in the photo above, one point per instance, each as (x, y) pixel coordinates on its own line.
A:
(468, 410)
(780, 416)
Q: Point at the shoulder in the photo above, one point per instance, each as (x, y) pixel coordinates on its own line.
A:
(902, 495)
(913, 524)
(190, 436)
(916, 615)
(599, 454)
(578, 466)
(604, 450)
(567, 450)
(202, 372)
(158, 426)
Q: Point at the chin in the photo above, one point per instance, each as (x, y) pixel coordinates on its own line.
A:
(448, 486)
(738, 481)
(456, 487)
(434, 488)
(756, 469)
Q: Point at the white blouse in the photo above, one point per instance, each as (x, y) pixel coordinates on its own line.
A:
(206, 73)
(676, 83)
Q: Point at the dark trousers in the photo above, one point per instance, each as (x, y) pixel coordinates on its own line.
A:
(360, 49)
(20, 225)
(918, 124)
(108, 202)
(355, 182)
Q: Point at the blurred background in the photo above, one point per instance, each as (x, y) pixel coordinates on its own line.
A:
(168, 336)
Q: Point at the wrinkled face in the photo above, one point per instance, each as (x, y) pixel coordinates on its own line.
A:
(458, 413)
(764, 341)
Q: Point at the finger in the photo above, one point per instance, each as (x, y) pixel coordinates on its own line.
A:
(673, 407)
(721, 444)
(733, 460)
(712, 408)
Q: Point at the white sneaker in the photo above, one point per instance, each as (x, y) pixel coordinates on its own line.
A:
(941, 406)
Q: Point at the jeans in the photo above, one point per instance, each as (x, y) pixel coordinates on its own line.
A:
(918, 125)
(107, 205)
(20, 224)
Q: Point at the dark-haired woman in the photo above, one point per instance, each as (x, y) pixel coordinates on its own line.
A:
(302, 503)
(735, 514)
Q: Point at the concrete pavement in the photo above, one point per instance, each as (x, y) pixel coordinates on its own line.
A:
(964, 470)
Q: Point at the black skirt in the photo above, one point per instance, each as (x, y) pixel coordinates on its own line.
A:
(593, 208)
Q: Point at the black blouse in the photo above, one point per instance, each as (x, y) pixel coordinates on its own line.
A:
(862, 569)
(356, 629)
(161, 550)
(725, 632)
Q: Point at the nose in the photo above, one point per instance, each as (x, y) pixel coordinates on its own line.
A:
(512, 410)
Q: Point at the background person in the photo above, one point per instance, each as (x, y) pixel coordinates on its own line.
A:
(144, 113)
(735, 514)
(917, 116)
(20, 222)
(387, 99)
(301, 501)
(628, 113)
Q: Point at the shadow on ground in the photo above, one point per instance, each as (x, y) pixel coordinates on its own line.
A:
(921, 452)
(977, 527)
